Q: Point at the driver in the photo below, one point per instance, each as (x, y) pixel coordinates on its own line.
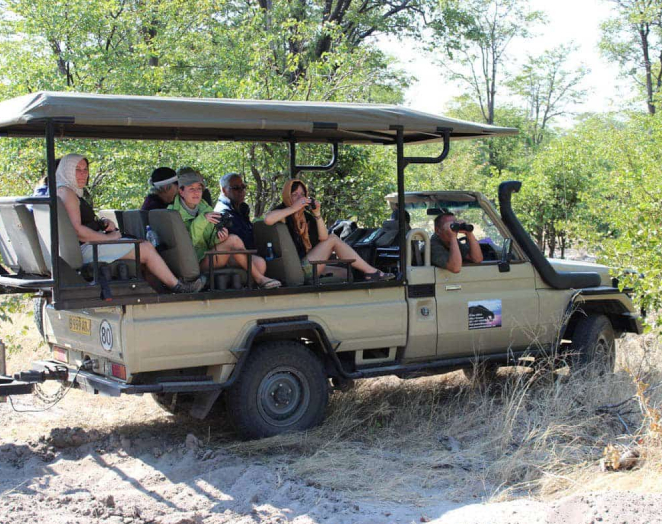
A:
(446, 251)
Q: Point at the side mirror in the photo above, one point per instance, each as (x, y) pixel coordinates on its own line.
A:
(504, 262)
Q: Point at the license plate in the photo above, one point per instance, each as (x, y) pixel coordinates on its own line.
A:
(80, 325)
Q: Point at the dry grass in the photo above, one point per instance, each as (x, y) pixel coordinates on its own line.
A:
(412, 440)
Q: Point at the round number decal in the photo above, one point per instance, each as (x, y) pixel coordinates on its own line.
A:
(106, 335)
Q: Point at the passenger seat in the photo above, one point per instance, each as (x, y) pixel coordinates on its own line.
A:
(22, 241)
(177, 249)
(286, 265)
(70, 252)
(135, 222)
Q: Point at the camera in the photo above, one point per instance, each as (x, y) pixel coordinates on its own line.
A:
(312, 206)
(461, 226)
(224, 221)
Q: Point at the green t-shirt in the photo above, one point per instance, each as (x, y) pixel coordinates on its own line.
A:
(439, 254)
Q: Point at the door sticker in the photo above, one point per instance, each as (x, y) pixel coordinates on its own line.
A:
(484, 314)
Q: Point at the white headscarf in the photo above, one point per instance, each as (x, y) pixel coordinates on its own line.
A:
(65, 176)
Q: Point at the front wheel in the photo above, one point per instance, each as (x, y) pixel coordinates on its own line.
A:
(282, 388)
(593, 345)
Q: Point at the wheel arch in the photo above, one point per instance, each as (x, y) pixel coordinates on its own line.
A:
(622, 318)
(298, 329)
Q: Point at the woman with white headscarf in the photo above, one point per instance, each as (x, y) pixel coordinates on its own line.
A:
(71, 177)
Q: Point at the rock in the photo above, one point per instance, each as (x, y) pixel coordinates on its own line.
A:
(109, 501)
(207, 455)
(125, 442)
(192, 441)
(179, 518)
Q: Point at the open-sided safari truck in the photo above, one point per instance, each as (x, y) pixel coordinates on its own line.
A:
(274, 353)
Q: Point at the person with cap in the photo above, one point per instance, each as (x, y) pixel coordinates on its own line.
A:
(162, 189)
(71, 177)
(200, 221)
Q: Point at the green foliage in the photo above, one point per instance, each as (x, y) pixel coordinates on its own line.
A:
(205, 48)
(626, 218)
(632, 38)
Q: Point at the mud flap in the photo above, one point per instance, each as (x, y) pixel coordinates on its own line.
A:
(203, 403)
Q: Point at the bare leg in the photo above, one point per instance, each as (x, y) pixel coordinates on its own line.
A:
(259, 263)
(154, 263)
(323, 250)
(219, 261)
(233, 242)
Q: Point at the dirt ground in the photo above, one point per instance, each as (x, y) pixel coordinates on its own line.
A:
(92, 459)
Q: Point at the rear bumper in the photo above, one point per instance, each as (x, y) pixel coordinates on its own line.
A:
(99, 384)
(93, 383)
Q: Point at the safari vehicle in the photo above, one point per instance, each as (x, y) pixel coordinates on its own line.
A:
(273, 355)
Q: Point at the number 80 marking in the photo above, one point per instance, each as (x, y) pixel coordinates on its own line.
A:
(106, 335)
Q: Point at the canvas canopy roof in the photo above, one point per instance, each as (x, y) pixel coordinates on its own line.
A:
(79, 115)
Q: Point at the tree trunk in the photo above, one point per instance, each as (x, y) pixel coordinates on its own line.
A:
(644, 31)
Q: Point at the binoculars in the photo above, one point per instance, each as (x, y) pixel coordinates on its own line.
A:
(461, 226)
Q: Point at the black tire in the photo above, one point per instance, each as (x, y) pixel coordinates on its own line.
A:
(593, 345)
(282, 388)
(481, 373)
(38, 305)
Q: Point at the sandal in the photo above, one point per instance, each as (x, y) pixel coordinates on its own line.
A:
(271, 283)
(378, 276)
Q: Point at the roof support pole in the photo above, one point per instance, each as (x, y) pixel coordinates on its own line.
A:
(52, 193)
(402, 231)
(293, 158)
(296, 169)
(446, 133)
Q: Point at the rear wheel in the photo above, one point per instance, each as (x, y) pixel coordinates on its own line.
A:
(282, 388)
(593, 345)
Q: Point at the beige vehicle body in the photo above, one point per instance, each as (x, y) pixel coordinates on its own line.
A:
(275, 352)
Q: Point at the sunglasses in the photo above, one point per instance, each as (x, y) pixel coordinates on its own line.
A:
(242, 187)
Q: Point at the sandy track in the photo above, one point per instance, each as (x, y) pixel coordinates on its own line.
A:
(94, 459)
(151, 469)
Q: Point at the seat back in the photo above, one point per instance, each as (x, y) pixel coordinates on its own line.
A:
(135, 223)
(389, 236)
(175, 246)
(69, 245)
(22, 233)
(7, 250)
(286, 265)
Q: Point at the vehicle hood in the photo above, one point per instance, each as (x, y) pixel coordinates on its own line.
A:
(576, 266)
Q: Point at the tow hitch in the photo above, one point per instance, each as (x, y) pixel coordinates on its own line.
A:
(23, 383)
